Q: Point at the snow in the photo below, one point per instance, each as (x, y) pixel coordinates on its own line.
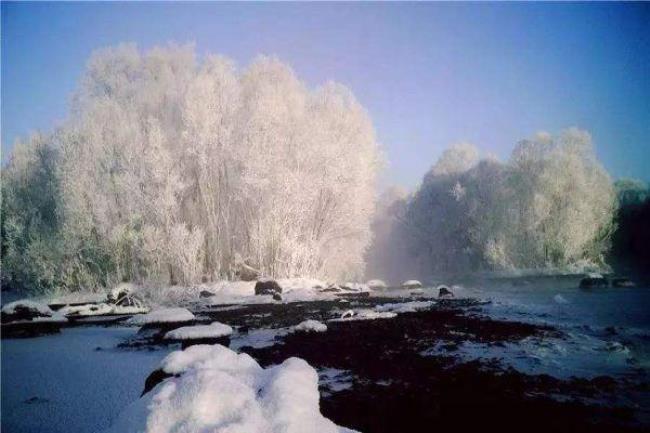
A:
(363, 314)
(42, 309)
(220, 390)
(40, 312)
(213, 330)
(405, 307)
(411, 283)
(81, 381)
(77, 298)
(163, 315)
(289, 284)
(357, 287)
(376, 284)
(87, 310)
(594, 275)
(122, 289)
(258, 338)
(310, 326)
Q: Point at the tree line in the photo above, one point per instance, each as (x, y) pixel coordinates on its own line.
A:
(175, 170)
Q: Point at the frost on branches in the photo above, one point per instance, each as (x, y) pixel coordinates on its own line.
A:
(169, 167)
(551, 205)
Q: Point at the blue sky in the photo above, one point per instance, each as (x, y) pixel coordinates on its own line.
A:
(429, 74)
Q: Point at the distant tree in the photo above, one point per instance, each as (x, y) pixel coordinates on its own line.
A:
(550, 205)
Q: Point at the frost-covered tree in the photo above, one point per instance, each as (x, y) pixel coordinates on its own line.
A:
(172, 169)
(550, 205)
(31, 245)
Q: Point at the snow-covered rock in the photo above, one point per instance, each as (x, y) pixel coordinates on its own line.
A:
(364, 314)
(355, 287)
(25, 310)
(310, 326)
(220, 390)
(444, 292)
(213, 330)
(163, 315)
(376, 284)
(405, 307)
(87, 310)
(120, 291)
(267, 286)
(411, 284)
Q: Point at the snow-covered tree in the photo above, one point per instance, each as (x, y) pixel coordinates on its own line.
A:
(169, 168)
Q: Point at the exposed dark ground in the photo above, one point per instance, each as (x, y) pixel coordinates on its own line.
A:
(395, 388)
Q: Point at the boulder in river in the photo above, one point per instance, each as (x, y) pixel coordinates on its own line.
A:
(594, 281)
(444, 292)
(206, 294)
(267, 286)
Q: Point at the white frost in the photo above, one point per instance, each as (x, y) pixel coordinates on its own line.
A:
(415, 284)
(220, 390)
(310, 326)
(213, 330)
(376, 284)
(163, 315)
(37, 307)
(364, 314)
(405, 307)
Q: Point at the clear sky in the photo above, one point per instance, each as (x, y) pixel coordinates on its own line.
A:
(429, 74)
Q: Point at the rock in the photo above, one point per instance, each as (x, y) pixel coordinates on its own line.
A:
(622, 282)
(331, 289)
(444, 292)
(205, 294)
(411, 284)
(154, 379)
(594, 281)
(267, 287)
(26, 310)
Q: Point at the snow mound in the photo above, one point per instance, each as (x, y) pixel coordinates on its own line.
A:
(376, 284)
(26, 304)
(364, 314)
(411, 284)
(213, 330)
(310, 326)
(405, 307)
(220, 390)
(24, 311)
(163, 315)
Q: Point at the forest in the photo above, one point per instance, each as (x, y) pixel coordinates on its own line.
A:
(174, 170)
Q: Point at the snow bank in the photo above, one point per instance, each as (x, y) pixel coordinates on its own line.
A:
(405, 307)
(220, 390)
(163, 315)
(213, 330)
(310, 326)
(364, 314)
